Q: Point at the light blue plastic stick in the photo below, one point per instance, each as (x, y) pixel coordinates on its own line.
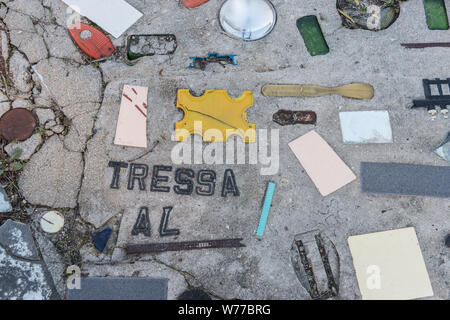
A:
(266, 208)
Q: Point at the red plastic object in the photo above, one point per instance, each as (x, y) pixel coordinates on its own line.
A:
(193, 3)
(96, 46)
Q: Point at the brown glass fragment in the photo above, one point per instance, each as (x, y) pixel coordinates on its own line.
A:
(17, 124)
(288, 117)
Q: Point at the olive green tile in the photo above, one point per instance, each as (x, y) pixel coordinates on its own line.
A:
(436, 14)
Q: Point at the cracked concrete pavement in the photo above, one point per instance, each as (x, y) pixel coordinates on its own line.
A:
(24, 275)
(77, 103)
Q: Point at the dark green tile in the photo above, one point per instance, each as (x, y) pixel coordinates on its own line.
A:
(311, 32)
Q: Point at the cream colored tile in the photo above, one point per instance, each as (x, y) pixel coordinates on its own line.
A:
(389, 265)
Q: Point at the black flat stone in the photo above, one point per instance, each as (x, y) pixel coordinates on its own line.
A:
(195, 294)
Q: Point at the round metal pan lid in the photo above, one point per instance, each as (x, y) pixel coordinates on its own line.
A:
(17, 124)
(248, 19)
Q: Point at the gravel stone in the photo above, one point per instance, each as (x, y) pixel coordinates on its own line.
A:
(52, 176)
(28, 146)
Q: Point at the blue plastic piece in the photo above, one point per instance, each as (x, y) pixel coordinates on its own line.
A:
(101, 238)
(200, 62)
(266, 208)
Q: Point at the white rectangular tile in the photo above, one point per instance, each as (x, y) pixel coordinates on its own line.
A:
(113, 16)
(362, 127)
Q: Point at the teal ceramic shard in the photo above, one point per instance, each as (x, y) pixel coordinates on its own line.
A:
(436, 14)
(311, 32)
(266, 208)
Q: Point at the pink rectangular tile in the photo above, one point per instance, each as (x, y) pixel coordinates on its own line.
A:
(131, 128)
(328, 172)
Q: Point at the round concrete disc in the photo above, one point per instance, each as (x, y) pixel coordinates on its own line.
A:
(52, 222)
(17, 124)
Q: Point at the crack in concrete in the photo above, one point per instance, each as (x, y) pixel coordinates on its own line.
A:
(57, 109)
(93, 132)
(186, 276)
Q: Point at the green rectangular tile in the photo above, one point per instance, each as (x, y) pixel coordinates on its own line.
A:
(436, 14)
(311, 32)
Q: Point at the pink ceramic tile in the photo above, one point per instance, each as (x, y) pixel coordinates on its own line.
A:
(131, 128)
(328, 172)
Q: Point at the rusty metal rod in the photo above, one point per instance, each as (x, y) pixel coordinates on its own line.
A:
(186, 245)
(425, 45)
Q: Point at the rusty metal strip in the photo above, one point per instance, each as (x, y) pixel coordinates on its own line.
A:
(425, 45)
(332, 286)
(314, 292)
(320, 279)
(186, 245)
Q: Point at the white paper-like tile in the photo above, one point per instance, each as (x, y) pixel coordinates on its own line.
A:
(366, 127)
(131, 128)
(389, 265)
(113, 16)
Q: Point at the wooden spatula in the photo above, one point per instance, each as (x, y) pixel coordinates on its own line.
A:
(353, 90)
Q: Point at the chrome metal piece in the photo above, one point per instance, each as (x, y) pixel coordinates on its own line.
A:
(248, 19)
